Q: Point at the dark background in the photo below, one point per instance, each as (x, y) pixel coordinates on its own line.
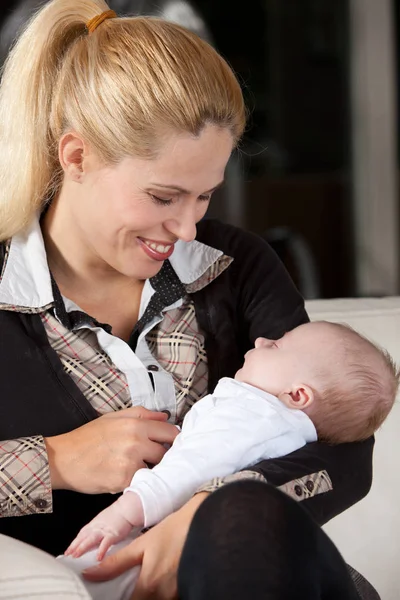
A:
(292, 175)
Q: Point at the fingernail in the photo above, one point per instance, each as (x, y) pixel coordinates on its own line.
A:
(166, 412)
(91, 569)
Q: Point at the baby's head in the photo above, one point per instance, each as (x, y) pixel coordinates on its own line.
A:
(345, 384)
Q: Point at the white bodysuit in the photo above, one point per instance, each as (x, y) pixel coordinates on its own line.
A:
(232, 429)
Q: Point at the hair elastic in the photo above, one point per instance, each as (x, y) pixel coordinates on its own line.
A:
(98, 20)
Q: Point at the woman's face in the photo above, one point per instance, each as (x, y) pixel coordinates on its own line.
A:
(128, 217)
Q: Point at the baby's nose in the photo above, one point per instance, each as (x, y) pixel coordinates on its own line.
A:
(262, 342)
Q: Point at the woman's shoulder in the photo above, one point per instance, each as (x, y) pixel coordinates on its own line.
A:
(257, 281)
(232, 241)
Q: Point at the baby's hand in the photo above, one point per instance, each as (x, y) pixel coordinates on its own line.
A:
(109, 527)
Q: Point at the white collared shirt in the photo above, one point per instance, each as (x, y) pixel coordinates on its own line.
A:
(110, 373)
(26, 284)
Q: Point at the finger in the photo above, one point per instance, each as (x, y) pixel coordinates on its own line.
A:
(106, 543)
(153, 452)
(139, 412)
(117, 563)
(71, 548)
(88, 544)
(75, 543)
(164, 433)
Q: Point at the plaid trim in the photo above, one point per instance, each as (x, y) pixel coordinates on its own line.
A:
(212, 273)
(214, 484)
(178, 346)
(89, 366)
(298, 489)
(25, 486)
(308, 486)
(25, 309)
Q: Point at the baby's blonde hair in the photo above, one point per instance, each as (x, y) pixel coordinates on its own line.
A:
(356, 396)
(123, 88)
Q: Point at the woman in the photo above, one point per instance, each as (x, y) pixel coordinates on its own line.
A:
(120, 306)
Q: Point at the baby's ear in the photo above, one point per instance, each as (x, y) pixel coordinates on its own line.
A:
(300, 396)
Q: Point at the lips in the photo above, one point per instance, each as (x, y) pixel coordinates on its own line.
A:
(156, 250)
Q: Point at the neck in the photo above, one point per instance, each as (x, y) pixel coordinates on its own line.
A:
(75, 267)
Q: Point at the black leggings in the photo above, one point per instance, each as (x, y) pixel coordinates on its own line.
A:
(249, 541)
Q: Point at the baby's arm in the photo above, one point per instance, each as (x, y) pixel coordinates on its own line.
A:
(109, 527)
(220, 436)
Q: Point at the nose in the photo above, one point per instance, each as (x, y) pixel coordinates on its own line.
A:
(183, 224)
(262, 342)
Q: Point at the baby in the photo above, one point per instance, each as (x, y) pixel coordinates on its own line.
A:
(319, 381)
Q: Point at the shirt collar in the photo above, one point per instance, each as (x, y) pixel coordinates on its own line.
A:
(191, 260)
(26, 282)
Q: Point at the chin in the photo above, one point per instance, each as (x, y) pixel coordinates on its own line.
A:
(131, 264)
(141, 273)
(238, 375)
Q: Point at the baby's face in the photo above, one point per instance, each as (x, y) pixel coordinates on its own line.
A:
(277, 365)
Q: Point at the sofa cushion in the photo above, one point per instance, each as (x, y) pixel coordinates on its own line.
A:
(368, 534)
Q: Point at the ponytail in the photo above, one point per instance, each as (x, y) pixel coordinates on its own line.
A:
(121, 88)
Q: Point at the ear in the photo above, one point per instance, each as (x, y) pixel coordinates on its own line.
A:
(71, 153)
(300, 396)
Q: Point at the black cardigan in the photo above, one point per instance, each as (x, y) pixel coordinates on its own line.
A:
(253, 297)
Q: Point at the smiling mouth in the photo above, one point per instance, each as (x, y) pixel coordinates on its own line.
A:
(156, 250)
(160, 248)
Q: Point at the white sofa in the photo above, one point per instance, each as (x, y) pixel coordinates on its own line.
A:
(368, 534)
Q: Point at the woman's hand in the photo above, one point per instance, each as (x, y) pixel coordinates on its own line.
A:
(103, 455)
(158, 551)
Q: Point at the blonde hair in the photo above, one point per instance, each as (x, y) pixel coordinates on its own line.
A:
(353, 403)
(122, 88)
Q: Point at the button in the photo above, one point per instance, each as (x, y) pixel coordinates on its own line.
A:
(152, 368)
(167, 413)
(297, 490)
(40, 503)
(310, 485)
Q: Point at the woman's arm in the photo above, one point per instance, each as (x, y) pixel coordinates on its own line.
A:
(99, 457)
(326, 479)
(25, 486)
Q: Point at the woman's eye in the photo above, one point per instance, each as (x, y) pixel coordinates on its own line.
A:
(162, 201)
(168, 201)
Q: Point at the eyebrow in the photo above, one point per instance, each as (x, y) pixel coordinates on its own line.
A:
(177, 188)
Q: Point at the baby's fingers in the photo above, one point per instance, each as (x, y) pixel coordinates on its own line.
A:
(75, 543)
(88, 542)
(105, 544)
